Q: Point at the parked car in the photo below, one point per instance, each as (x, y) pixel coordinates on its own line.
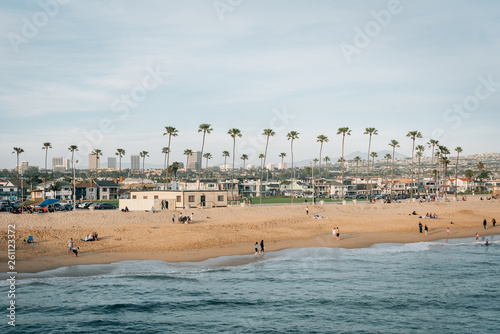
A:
(104, 206)
(84, 205)
(59, 207)
(5, 207)
(361, 196)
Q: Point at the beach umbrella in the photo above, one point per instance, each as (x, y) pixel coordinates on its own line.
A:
(48, 202)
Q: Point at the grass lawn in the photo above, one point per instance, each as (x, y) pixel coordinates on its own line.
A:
(112, 202)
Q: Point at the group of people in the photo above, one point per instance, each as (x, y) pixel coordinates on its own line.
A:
(429, 216)
(257, 251)
(164, 204)
(493, 222)
(72, 249)
(426, 229)
(336, 233)
(91, 237)
(126, 209)
(184, 219)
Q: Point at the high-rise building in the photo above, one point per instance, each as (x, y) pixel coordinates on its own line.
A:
(93, 161)
(270, 166)
(61, 164)
(112, 162)
(135, 162)
(194, 160)
(57, 161)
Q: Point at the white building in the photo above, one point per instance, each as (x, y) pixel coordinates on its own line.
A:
(135, 162)
(282, 166)
(60, 164)
(270, 166)
(250, 167)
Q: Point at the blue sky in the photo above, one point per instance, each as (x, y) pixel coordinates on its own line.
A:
(245, 64)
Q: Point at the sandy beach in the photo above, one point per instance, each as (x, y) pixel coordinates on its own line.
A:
(233, 231)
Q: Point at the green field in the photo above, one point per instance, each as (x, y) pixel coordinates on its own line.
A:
(112, 202)
(284, 200)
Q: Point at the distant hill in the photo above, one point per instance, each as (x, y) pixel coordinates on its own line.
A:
(351, 156)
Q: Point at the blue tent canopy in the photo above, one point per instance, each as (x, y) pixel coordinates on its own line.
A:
(48, 202)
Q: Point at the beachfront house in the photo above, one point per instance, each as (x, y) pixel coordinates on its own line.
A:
(13, 189)
(176, 199)
(107, 190)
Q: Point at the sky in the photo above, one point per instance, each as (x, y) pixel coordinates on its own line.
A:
(112, 74)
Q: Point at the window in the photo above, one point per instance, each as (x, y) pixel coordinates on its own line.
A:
(104, 189)
(134, 197)
(156, 196)
(220, 198)
(191, 199)
(178, 199)
(144, 197)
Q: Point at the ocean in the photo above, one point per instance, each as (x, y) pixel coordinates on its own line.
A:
(428, 287)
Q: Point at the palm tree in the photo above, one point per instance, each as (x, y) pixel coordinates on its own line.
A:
(46, 147)
(371, 132)
(387, 157)
(261, 157)
(322, 139)
(17, 151)
(207, 156)
(173, 169)
(165, 150)
(226, 155)
(282, 155)
(373, 155)
(268, 133)
(469, 174)
(432, 144)
(143, 155)
(171, 132)
(443, 152)
(413, 135)
(420, 153)
(459, 150)
(72, 149)
(187, 153)
(97, 152)
(244, 157)
(326, 160)
(357, 160)
(480, 166)
(292, 135)
(120, 152)
(205, 128)
(394, 143)
(233, 133)
(343, 131)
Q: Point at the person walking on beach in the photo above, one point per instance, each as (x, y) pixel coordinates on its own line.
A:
(426, 229)
(173, 217)
(162, 204)
(256, 248)
(477, 237)
(484, 223)
(338, 233)
(420, 226)
(307, 210)
(262, 246)
(447, 230)
(70, 245)
(334, 232)
(494, 222)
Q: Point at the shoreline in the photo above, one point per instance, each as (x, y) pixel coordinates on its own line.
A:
(232, 231)
(351, 241)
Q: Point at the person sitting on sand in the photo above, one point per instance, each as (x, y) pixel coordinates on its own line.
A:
(75, 251)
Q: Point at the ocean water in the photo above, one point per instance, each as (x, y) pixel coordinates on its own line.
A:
(434, 287)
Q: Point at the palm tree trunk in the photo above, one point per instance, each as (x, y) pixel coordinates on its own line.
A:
(412, 174)
(392, 172)
(199, 171)
(368, 164)
(342, 166)
(168, 153)
(262, 170)
(292, 174)
(232, 174)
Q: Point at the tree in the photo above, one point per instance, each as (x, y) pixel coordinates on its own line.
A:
(72, 149)
(46, 147)
(343, 131)
(420, 153)
(388, 158)
(393, 143)
(143, 155)
(292, 135)
(432, 144)
(373, 155)
(120, 152)
(97, 152)
(480, 166)
(187, 153)
(326, 160)
(165, 150)
(18, 151)
(171, 132)
(207, 156)
(261, 157)
(205, 128)
(282, 155)
(175, 167)
(233, 133)
(226, 155)
(357, 160)
(459, 150)
(268, 133)
(371, 132)
(244, 157)
(413, 135)
(469, 174)
(321, 139)
(443, 152)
